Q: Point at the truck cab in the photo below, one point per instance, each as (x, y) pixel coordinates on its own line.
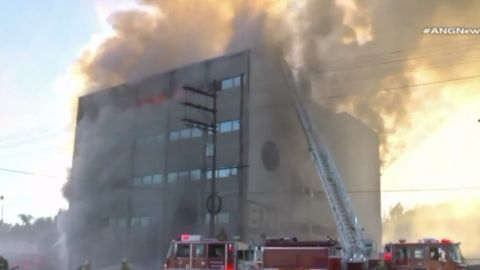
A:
(195, 252)
(426, 254)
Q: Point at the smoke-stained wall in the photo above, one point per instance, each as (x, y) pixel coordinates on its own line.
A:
(354, 147)
(140, 176)
(283, 187)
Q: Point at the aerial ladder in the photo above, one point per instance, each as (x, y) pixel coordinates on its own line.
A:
(349, 230)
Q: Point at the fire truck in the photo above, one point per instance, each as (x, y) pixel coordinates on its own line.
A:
(194, 252)
(427, 254)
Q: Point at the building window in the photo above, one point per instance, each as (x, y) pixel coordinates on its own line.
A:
(157, 179)
(231, 83)
(207, 219)
(182, 176)
(147, 180)
(226, 126)
(196, 132)
(174, 135)
(140, 221)
(145, 221)
(223, 218)
(222, 173)
(150, 139)
(196, 174)
(209, 174)
(122, 222)
(172, 177)
(185, 133)
(135, 222)
(209, 147)
(137, 181)
(237, 81)
(227, 84)
(236, 125)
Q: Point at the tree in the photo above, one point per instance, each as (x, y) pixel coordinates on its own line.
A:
(26, 219)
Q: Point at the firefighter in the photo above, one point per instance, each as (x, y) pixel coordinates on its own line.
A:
(3, 263)
(124, 265)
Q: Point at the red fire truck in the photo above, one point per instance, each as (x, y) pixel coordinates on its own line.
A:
(290, 254)
(192, 251)
(427, 254)
(282, 254)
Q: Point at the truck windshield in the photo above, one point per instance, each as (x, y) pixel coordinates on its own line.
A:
(455, 254)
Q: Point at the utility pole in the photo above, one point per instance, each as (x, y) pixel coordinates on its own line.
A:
(213, 202)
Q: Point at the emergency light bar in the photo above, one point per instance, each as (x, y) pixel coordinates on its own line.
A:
(428, 241)
(188, 237)
(446, 241)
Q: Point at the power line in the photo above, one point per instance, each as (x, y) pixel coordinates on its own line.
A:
(397, 88)
(408, 53)
(28, 173)
(380, 62)
(407, 70)
(34, 136)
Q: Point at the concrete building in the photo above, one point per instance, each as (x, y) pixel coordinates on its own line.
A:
(140, 177)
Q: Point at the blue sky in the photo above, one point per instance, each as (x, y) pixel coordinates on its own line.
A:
(39, 41)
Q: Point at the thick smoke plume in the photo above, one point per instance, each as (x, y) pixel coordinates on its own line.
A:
(359, 56)
(370, 58)
(172, 33)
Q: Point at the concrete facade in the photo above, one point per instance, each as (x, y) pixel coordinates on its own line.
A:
(140, 177)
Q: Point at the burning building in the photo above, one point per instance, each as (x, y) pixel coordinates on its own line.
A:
(140, 176)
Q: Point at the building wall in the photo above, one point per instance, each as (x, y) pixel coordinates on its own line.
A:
(132, 186)
(286, 197)
(141, 177)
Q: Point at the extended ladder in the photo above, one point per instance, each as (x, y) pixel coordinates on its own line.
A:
(349, 230)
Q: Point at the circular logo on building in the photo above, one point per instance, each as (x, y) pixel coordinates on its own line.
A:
(270, 155)
(214, 203)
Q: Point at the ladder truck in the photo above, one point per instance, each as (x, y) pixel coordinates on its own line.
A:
(349, 230)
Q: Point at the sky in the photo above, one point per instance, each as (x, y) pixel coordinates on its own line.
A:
(39, 41)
